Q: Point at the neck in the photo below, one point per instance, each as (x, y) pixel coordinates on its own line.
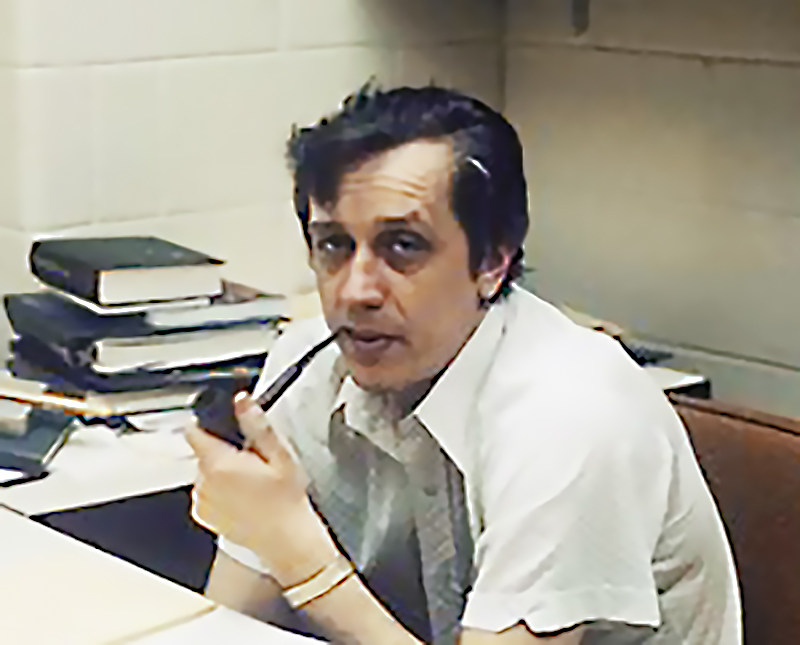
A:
(398, 404)
(404, 402)
(401, 403)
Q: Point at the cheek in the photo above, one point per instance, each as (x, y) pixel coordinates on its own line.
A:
(327, 289)
(438, 307)
(450, 286)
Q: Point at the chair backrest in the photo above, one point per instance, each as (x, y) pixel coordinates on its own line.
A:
(751, 461)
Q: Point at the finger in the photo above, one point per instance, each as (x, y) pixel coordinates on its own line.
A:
(255, 428)
(206, 446)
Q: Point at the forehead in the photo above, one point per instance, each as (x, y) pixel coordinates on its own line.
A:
(412, 177)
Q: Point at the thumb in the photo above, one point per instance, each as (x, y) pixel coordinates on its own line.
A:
(256, 430)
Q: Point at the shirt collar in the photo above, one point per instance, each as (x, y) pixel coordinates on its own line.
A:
(365, 414)
(447, 408)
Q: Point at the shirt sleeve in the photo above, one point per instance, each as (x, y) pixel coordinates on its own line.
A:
(571, 520)
(242, 555)
(296, 339)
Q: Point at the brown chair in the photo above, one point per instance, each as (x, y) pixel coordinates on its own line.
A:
(751, 461)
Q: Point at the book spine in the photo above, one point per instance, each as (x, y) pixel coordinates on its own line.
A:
(69, 276)
(28, 321)
(25, 463)
(25, 322)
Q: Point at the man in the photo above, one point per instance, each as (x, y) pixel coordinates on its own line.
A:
(467, 465)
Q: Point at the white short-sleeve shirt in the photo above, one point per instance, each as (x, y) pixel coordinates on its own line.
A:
(586, 502)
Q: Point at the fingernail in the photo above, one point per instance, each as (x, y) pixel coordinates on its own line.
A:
(240, 396)
(252, 419)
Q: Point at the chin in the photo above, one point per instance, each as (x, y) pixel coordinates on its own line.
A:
(376, 380)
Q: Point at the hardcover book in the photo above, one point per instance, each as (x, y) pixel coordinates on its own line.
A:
(121, 270)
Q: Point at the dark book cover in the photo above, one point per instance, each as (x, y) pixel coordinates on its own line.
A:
(30, 453)
(74, 264)
(59, 321)
(56, 320)
(65, 372)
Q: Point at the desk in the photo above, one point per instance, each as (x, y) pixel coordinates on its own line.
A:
(154, 531)
(97, 466)
(59, 591)
(130, 495)
(220, 627)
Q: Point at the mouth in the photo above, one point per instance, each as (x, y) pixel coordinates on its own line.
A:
(367, 346)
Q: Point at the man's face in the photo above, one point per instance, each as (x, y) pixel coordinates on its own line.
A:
(392, 266)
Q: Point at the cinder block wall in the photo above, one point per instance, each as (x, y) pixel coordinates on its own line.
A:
(663, 151)
(663, 145)
(169, 117)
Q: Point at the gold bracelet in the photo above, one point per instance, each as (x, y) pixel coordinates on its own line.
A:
(324, 582)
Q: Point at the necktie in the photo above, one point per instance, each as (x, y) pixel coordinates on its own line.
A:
(443, 530)
(440, 516)
(340, 491)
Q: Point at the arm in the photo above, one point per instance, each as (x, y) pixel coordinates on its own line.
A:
(350, 615)
(571, 526)
(521, 635)
(293, 543)
(247, 591)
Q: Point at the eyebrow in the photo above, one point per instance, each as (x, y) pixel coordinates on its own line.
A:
(389, 221)
(398, 220)
(323, 226)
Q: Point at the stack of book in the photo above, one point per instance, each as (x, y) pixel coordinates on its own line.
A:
(135, 324)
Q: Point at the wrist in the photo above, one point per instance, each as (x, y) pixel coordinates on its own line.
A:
(309, 549)
(332, 576)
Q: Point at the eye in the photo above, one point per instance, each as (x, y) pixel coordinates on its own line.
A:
(331, 251)
(402, 249)
(333, 244)
(405, 244)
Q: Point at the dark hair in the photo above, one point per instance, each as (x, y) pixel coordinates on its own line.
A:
(489, 193)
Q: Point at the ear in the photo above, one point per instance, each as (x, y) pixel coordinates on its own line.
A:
(492, 274)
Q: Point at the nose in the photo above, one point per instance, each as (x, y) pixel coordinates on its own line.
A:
(362, 285)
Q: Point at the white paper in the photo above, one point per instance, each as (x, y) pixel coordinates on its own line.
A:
(10, 475)
(669, 379)
(161, 433)
(97, 466)
(163, 445)
(222, 627)
(166, 421)
(14, 417)
(116, 310)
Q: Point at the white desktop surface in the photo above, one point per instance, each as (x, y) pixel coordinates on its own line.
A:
(221, 627)
(59, 591)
